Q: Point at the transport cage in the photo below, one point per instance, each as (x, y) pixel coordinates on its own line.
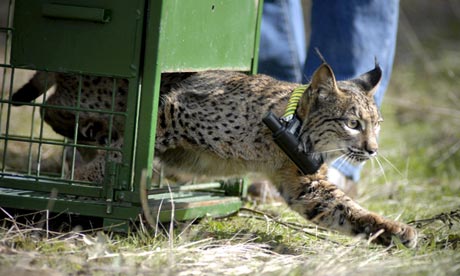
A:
(127, 45)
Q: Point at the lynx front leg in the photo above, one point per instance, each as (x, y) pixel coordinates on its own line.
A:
(322, 203)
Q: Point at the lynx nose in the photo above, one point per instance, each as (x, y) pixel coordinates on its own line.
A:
(372, 153)
(371, 149)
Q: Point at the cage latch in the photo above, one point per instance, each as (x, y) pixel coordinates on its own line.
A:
(110, 183)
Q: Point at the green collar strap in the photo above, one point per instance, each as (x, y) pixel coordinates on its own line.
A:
(293, 102)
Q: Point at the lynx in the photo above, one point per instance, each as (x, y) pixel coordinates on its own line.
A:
(211, 123)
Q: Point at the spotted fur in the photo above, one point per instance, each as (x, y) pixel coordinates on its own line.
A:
(211, 123)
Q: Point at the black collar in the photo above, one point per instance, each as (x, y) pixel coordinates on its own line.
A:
(286, 136)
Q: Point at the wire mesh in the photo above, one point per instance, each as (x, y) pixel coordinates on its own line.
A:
(30, 149)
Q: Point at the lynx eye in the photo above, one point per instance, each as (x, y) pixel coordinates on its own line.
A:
(353, 124)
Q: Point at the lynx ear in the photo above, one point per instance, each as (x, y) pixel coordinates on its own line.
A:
(370, 81)
(324, 77)
(322, 84)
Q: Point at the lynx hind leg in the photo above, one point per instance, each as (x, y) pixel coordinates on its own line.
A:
(324, 204)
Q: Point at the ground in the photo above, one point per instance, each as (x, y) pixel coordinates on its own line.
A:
(416, 177)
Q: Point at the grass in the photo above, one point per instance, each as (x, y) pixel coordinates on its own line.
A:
(416, 178)
(412, 185)
(238, 245)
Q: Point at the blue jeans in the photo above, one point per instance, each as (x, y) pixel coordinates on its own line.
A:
(282, 40)
(349, 34)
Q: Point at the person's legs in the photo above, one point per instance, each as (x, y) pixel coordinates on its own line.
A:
(282, 54)
(282, 41)
(350, 35)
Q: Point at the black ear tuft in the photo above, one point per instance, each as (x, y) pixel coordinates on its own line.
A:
(370, 81)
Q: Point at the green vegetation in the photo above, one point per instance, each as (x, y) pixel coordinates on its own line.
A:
(416, 177)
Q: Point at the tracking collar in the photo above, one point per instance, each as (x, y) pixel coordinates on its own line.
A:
(293, 102)
(286, 134)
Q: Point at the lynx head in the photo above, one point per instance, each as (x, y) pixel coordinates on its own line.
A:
(340, 118)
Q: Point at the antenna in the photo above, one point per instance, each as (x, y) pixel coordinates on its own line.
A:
(320, 55)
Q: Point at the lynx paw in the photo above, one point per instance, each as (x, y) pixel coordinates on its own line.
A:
(405, 233)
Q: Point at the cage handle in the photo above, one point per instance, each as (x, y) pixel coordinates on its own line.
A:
(99, 15)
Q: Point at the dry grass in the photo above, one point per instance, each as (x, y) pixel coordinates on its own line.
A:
(418, 180)
(204, 249)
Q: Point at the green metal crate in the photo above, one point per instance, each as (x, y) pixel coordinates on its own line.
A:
(133, 40)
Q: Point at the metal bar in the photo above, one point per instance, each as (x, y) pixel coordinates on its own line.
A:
(1, 117)
(3, 88)
(83, 207)
(150, 93)
(255, 59)
(9, 30)
(214, 207)
(49, 177)
(8, 117)
(127, 170)
(55, 143)
(182, 188)
(43, 184)
(63, 159)
(61, 107)
(112, 108)
(30, 156)
(109, 174)
(75, 138)
(40, 136)
(16, 172)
